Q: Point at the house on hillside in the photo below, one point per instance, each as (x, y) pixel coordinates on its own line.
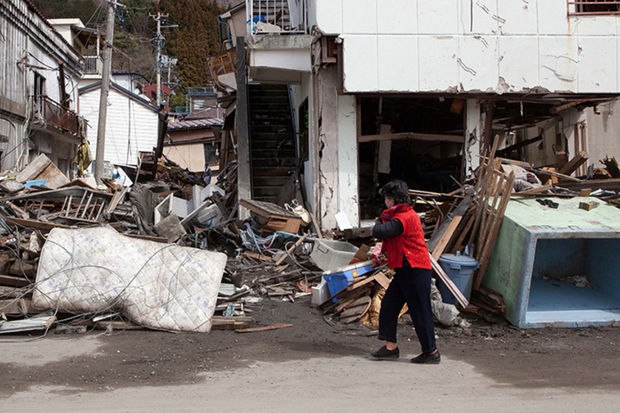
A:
(351, 93)
(39, 75)
(193, 142)
(133, 124)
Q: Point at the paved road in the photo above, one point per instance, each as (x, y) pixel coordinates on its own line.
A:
(341, 384)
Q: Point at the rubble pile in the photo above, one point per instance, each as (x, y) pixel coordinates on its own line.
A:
(278, 253)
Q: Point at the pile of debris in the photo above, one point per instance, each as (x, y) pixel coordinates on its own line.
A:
(278, 253)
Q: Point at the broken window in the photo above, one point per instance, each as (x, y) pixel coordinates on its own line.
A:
(593, 7)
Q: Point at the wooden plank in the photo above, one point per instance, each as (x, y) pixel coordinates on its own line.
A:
(17, 210)
(256, 256)
(117, 325)
(383, 280)
(11, 281)
(34, 168)
(449, 283)
(609, 184)
(574, 163)
(524, 165)
(360, 282)
(447, 236)
(588, 206)
(485, 252)
(291, 249)
(12, 292)
(270, 327)
(40, 322)
(547, 172)
(34, 224)
(356, 310)
(242, 127)
(433, 137)
(438, 235)
(16, 306)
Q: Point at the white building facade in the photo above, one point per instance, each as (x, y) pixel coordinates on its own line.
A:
(132, 123)
(410, 89)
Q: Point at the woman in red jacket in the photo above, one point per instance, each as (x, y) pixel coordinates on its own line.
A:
(403, 241)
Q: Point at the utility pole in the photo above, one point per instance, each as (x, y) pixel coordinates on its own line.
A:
(105, 88)
(159, 45)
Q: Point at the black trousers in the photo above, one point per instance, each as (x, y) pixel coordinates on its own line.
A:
(411, 286)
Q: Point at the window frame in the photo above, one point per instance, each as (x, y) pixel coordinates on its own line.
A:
(576, 7)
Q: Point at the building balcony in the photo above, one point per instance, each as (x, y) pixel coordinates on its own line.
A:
(53, 117)
(277, 17)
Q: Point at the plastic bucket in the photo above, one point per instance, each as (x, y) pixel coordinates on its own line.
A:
(460, 269)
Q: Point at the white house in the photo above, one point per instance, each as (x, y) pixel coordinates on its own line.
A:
(416, 89)
(39, 75)
(132, 123)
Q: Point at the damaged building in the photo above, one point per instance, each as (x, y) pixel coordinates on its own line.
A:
(332, 99)
(39, 75)
(345, 95)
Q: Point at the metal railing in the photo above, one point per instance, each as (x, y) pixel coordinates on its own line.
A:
(54, 114)
(201, 91)
(92, 65)
(593, 7)
(277, 16)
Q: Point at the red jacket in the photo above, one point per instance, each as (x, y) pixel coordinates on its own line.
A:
(410, 243)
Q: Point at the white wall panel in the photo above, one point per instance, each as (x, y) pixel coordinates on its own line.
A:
(519, 16)
(552, 18)
(476, 44)
(597, 67)
(558, 63)
(361, 54)
(438, 67)
(478, 16)
(594, 25)
(518, 61)
(438, 17)
(359, 16)
(397, 16)
(398, 68)
(328, 18)
(477, 61)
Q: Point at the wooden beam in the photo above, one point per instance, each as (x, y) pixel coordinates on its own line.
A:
(572, 165)
(449, 283)
(242, 127)
(431, 137)
(276, 326)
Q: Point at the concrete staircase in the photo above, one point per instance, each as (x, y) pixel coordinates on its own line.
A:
(272, 144)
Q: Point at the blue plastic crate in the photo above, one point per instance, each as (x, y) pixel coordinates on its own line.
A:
(340, 279)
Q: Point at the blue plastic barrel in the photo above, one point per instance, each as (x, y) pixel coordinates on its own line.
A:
(460, 269)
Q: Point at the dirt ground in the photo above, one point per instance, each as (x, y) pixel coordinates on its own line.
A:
(97, 362)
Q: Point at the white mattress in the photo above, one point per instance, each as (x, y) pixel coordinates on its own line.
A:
(159, 286)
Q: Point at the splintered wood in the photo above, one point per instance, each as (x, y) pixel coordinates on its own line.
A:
(356, 300)
(476, 220)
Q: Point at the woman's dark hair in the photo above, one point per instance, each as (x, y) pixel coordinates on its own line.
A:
(397, 190)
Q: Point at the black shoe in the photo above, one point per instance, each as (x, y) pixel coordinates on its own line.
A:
(384, 354)
(427, 358)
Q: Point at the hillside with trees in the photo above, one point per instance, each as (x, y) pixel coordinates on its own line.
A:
(191, 43)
